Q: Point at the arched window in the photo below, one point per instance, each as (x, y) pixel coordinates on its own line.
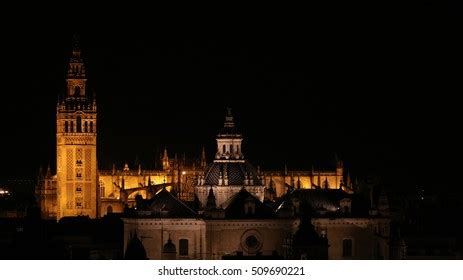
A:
(91, 126)
(79, 124)
(102, 189)
(77, 91)
(109, 209)
(183, 247)
(231, 149)
(347, 247)
(72, 126)
(223, 149)
(66, 126)
(86, 126)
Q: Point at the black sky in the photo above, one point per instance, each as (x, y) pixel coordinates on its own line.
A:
(378, 85)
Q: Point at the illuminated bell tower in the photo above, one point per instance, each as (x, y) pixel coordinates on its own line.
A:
(76, 125)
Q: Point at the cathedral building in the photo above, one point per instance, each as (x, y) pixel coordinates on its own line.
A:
(186, 209)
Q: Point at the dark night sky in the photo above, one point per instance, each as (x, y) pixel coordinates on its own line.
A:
(377, 85)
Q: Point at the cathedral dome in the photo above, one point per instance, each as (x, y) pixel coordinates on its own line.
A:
(237, 173)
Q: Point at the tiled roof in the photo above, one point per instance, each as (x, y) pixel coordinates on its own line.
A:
(236, 172)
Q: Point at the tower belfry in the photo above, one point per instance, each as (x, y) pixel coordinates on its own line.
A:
(229, 140)
(75, 79)
(76, 135)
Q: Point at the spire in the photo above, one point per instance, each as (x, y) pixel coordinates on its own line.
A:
(339, 163)
(337, 160)
(225, 175)
(164, 156)
(165, 160)
(383, 202)
(229, 119)
(76, 43)
(76, 68)
(48, 174)
(76, 71)
(40, 175)
(229, 140)
(203, 158)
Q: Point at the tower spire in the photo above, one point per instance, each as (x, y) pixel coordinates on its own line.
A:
(203, 158)
(165, 160)
(76, 72)
(229, 119)
(229, 140)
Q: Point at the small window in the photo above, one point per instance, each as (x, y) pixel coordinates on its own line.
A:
(78, 189)
(223, 149)
(66, 126)
(249, 207)
(109, 209)
(91, 126)
(72, 127)
(86, 126)
(231, 149)
(347, 248)
(102, 192)
(77, 91)
(183, 247)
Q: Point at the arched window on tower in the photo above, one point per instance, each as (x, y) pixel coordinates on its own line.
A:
(86, 126)
(77, 91)
(79, 124)
(72, 127)
(237, 149)
(66, 126)
(223, 149)
(91, 126)
(231, 149)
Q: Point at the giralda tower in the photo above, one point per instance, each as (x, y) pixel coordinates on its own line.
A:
(76, 140)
